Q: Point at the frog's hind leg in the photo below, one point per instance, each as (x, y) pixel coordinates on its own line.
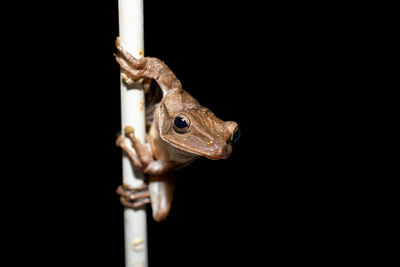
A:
(135, 69)
(161, 190)
(133, 197)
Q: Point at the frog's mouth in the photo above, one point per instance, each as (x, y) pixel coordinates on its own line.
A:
(222, 152)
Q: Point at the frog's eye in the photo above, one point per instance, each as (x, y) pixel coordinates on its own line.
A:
(181, 124)
(236, 135)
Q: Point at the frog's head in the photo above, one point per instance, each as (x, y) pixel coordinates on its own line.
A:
(189, 127)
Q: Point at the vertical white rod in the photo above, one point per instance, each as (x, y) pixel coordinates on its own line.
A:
(132, 113)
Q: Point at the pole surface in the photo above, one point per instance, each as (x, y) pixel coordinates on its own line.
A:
(133, 114)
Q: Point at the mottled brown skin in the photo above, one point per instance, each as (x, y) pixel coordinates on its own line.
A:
(167, 149)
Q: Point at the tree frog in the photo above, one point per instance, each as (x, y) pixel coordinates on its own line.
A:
(180, 130)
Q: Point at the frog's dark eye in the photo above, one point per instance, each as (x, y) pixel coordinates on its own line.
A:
(236, 135)
(181, 124)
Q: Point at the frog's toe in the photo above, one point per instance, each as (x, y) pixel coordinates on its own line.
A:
(133, 197)
(129, 130)
(120, 140)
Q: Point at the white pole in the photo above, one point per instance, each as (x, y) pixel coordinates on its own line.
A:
(132, 113)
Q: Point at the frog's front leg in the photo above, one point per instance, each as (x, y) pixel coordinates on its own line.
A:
(144, 159)
(134, 197)
(160, 190)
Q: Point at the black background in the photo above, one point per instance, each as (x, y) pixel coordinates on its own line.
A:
(283, 195)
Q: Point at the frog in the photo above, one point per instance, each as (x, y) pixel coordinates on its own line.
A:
(178, 131)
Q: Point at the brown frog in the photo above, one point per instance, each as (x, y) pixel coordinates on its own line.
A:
(180, 130)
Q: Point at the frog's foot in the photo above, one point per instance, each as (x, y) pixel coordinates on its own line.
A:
(133, 197)
(134, 70)
(141, 156)
(129, 152)
(131, 67)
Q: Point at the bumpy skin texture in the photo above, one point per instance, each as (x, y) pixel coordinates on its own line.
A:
(167, 148)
